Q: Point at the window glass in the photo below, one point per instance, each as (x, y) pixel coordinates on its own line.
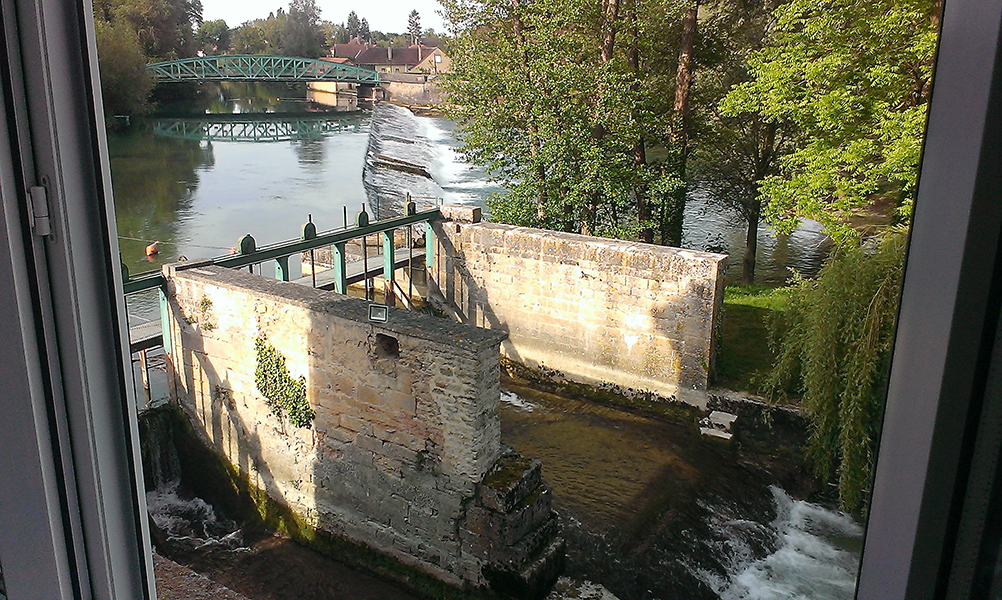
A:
(693, 249)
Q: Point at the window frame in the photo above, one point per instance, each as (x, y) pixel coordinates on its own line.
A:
(73, 523)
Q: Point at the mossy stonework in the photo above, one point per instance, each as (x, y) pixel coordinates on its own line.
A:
(403, 425)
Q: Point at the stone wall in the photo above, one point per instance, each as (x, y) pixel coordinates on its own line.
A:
(406, 422)
(638, 317)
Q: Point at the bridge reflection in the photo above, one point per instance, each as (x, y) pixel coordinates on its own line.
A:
(254, 128)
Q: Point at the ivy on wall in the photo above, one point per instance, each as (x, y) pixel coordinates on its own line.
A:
(282, 393)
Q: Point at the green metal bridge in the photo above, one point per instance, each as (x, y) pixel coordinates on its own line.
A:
(258, 68)
(253, 129)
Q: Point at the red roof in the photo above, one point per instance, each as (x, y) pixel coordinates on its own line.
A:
(347, 50)
(337, 59)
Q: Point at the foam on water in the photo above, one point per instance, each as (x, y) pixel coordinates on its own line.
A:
(517, 401)
(815, 556)
(191, 522)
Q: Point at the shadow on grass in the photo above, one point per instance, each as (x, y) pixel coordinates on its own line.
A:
(743, 351)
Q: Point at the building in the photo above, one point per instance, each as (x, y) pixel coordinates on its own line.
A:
(416, 59)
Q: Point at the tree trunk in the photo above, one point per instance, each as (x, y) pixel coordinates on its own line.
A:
(671, 225)
(751, 244)
(640, 147)
(609, 27)
(534, 144)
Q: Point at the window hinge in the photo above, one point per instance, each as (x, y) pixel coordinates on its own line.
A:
(38, 209)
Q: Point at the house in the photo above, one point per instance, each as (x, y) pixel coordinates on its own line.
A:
(341, 95)
(416, 59)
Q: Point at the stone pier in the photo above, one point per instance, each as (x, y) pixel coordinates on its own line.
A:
(382, 433)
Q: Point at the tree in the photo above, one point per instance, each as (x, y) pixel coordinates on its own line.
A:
(833, 345)
(125, 84)
(556, 97)
(363, 31)
(854, 77)
(735, 150)
(165, 28)
(302, 34)
(414, 27)
(213, 36)
(354, 25)
(249, 39)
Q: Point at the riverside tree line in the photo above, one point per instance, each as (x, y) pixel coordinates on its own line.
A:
(132, 33)
(600, 115)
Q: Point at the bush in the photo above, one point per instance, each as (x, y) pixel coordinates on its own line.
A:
(833, 346)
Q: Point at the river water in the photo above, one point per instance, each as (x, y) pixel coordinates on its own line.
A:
(197, 184)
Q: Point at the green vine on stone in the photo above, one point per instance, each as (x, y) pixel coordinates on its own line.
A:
(282, 393)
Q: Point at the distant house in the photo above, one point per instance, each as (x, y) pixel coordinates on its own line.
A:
(416, 59)
(341, 95)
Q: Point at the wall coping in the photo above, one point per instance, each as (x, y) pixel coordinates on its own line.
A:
(445, 332)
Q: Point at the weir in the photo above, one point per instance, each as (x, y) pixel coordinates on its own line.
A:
(388, 433)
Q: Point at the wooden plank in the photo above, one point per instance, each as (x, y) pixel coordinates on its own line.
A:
(355, 271)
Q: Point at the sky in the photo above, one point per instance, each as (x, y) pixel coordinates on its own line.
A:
(388, 16)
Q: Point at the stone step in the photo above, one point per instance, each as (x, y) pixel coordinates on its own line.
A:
(534, 579)
(512, 479)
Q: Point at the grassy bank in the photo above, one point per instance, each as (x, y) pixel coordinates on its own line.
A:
(743, 351)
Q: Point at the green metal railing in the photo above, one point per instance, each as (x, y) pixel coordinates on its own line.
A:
(248, 254)
(259, 68)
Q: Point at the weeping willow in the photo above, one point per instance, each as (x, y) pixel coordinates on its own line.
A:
(833, 346)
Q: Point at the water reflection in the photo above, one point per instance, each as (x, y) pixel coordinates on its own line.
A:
(254, 128)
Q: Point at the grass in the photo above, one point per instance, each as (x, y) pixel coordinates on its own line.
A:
(743, 351)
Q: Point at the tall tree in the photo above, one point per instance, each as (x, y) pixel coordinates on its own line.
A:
(165, 28)
(354, 26)
(302, 34)
(213, 37)
(363, 31)
(548, 103)
(854, 77)
(125, 85)
(414, 27)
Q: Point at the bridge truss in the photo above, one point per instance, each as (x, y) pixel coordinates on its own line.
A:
(258, 68)
(251, 129)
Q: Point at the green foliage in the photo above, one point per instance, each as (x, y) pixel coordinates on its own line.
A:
(125, 85)
(213, 37)
(853, 77)
(562, 124)
(249, 39)
(302, 34)
(282, 393)
(833, 345)
(165, 28)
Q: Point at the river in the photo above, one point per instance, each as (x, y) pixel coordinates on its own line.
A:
(196, 183)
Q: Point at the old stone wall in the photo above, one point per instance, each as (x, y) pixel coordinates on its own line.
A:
(639, 317)
(406, 423)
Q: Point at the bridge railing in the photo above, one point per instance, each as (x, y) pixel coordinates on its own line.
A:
(258, 67)
(248, 254)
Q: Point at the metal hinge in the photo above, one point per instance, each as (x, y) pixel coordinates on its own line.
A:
(38, 209)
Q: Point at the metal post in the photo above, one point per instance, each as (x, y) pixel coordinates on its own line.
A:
(144, 367)
(340, 271)
(388, 264)
(282, 269)
(429, 246)
(365, 267)
(410, 264)
(164, 319)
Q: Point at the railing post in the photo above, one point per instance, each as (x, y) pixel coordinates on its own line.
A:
(164, 319)
(340, 271)
(429, 245)
(282, 269)
(247, 245)
(389, 257)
